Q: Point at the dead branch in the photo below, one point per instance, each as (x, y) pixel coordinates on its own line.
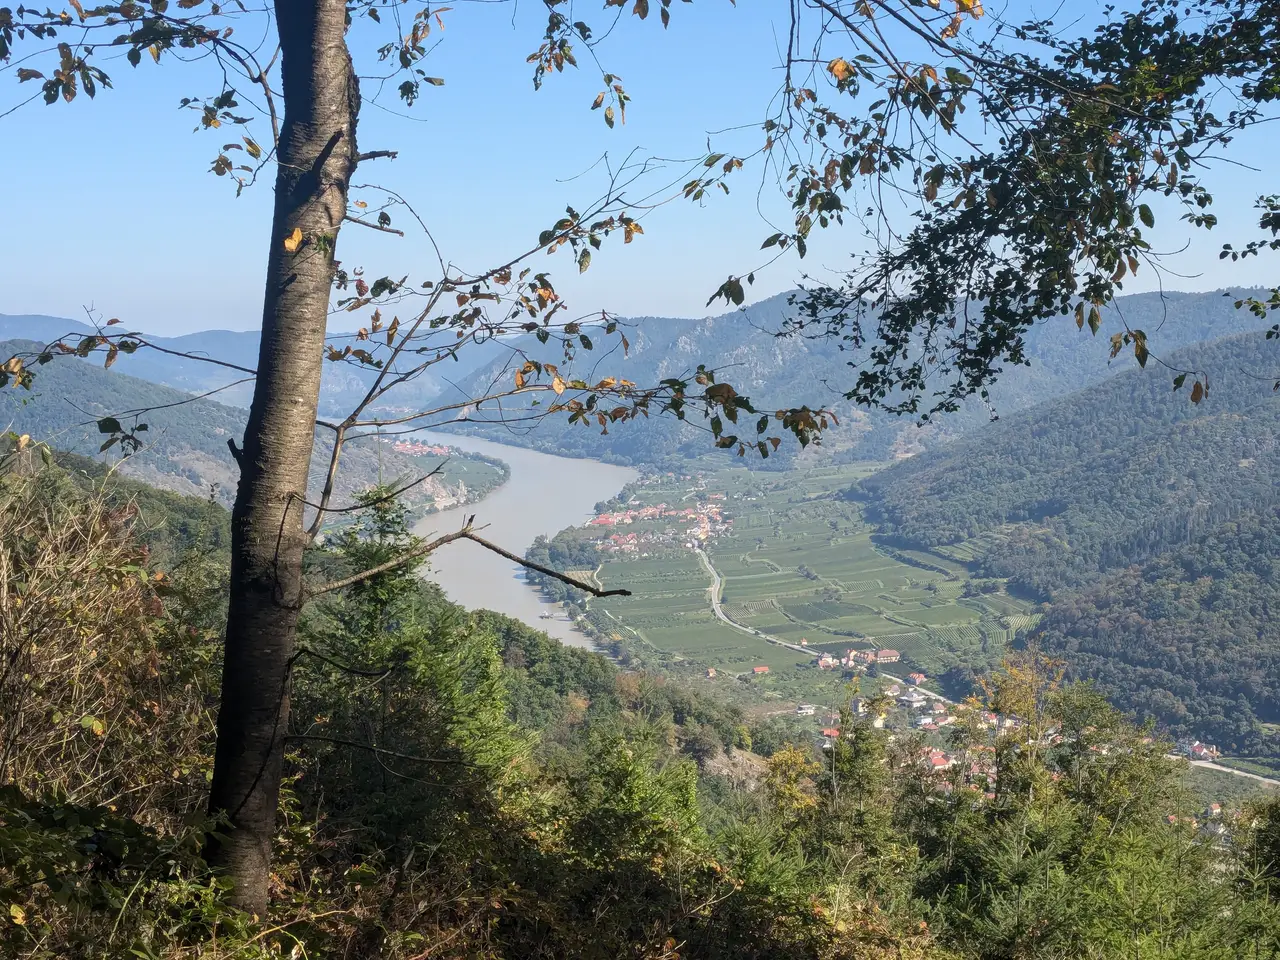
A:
(466, 533)
(371, 748)
(594, 591)
(373, 226)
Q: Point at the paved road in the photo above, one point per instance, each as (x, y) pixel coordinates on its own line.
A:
(1210, 765)
(718, 610)
(724, 618)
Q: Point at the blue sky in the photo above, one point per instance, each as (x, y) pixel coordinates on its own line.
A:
(110, 202)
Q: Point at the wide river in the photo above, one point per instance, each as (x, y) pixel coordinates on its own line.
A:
(544, 495)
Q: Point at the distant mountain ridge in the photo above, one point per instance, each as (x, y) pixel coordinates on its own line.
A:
(186, 439)
(342, 386)
(741, 346)
(777, 372)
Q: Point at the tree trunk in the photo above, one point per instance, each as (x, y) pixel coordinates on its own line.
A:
(316, 158)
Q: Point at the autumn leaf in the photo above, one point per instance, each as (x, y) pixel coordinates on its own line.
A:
(293, 240)
(1197, 392)
(557, 385)
(840, 69)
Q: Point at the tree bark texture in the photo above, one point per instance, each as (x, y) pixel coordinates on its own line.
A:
(316, 158)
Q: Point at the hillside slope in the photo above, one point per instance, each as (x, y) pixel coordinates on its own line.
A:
(778, 372)
(1099, 479)
(1190, 639)
(342, 385)
(186, 439)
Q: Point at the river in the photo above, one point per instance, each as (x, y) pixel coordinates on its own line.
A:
(544, 495)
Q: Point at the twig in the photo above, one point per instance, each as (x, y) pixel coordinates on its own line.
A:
(371, 503)
(412, 555)
(372, 749)
(374, 226)
(466, 533)
(375, 154)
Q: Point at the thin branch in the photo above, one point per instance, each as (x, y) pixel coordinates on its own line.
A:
(372, 503)
(372, 749)
(466, 533)
(375, 154)
(377, 674)
(373, 226)
(400, 561)
(594, 591)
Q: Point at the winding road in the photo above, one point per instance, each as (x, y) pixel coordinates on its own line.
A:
(717, 583)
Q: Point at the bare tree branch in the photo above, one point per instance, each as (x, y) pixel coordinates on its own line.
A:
(373, 226)
(371, 748)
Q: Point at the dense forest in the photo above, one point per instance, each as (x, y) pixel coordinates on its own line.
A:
(459, 785)
(1146, 522)
(1114, 474)
(1190, 639)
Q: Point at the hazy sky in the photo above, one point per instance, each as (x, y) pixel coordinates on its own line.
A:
(110, 203)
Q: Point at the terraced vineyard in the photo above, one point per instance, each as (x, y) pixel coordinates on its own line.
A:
(800, 564)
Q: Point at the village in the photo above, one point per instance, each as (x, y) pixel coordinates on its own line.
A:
(687, 526)
(975, 767)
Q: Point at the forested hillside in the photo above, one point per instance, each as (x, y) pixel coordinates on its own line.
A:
(1190, 639)
(1103, 478)
(185, 443)
(777, 372)
(1147, 522)
(460, 785)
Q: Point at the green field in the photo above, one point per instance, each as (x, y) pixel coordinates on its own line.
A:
(798, 564)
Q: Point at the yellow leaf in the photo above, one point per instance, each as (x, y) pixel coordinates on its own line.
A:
(17, 914)
(840, 69)
(557, 385)
(293, 240)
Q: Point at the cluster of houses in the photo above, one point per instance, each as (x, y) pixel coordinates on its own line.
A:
(417, 448)
(697, 523)
(854, 659)
(1195, 750)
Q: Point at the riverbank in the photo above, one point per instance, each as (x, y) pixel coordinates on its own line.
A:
(543, 495)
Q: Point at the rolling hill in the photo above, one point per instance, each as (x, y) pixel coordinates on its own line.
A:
(776, 372)
(740, 346)
(186, 439)
(1149, 525)
(1099, 479)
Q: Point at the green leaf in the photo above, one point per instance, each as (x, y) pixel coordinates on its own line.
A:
(1145, 215)
(109, 425)
(1178, 381)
